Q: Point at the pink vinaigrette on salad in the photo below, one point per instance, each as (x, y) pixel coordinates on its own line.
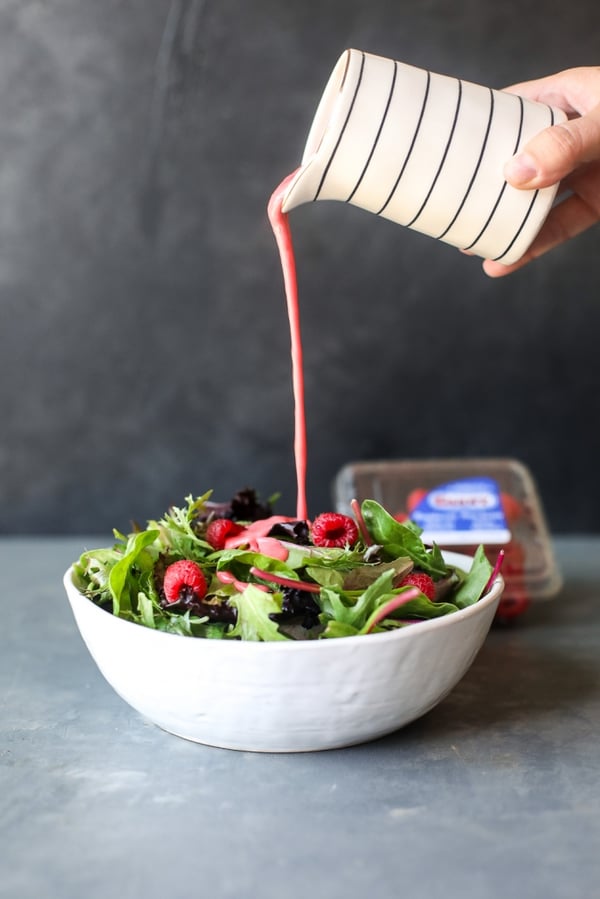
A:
(238, 571)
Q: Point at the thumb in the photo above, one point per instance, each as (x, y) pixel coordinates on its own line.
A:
(555, 152)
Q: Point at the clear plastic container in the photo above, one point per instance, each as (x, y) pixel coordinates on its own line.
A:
(404, 487)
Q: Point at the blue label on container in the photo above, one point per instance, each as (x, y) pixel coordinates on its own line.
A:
(462, 512)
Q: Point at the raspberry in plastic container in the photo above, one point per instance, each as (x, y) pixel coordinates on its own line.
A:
(461, 503)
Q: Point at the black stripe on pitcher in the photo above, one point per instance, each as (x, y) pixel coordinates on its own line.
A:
(443, 159)
(504, 185)
(476, 170)
(379, 130)
(341, 134)
(528, 213)
(412, 145)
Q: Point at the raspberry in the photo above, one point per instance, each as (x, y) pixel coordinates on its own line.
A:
(512, 508)
(219, 530)
(510, 607)
(182, 580)
(334, 529)
(422, 581)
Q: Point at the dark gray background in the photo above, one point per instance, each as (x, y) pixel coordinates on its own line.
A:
(144, 350)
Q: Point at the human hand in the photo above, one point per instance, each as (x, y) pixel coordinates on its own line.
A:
(568, 152)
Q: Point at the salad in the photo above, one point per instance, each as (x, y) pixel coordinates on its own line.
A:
(236, 571)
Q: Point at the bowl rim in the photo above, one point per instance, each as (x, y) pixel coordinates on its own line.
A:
(491, 597)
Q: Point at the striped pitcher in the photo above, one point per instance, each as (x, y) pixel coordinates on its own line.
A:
(426, 151)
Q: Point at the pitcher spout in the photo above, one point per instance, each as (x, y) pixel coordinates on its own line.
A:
(325, 132)
(299, 189)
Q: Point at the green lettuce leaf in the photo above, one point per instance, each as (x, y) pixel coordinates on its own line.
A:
(359, 609)
(473, 583)
(253, 609)
(402, 539)
(122, 579)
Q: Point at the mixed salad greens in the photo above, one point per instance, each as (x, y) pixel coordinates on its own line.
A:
(235, 571)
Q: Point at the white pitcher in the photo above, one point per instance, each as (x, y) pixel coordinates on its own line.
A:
(426, 151)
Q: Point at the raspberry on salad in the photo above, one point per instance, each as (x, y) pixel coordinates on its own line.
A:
(184, 580)
(334, 529)
(219, 530)
(421, 581)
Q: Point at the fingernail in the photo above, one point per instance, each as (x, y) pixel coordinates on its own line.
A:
(520, 169)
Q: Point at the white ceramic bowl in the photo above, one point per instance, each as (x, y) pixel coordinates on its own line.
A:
(285, 697)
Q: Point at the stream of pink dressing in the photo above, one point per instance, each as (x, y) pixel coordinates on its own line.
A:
(255, 535)
(283, 237)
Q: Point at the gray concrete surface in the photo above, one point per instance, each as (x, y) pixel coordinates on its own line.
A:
(493, 793)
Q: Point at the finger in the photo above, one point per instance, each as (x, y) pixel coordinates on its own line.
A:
(576, 91)
(541, 92)
(555, 152)
(565, 221)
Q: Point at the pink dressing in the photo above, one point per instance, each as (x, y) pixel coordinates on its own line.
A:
(272, 547)
(255, 531)
(255, 535)
(281, 230)
(227, 578)
(285, 581)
